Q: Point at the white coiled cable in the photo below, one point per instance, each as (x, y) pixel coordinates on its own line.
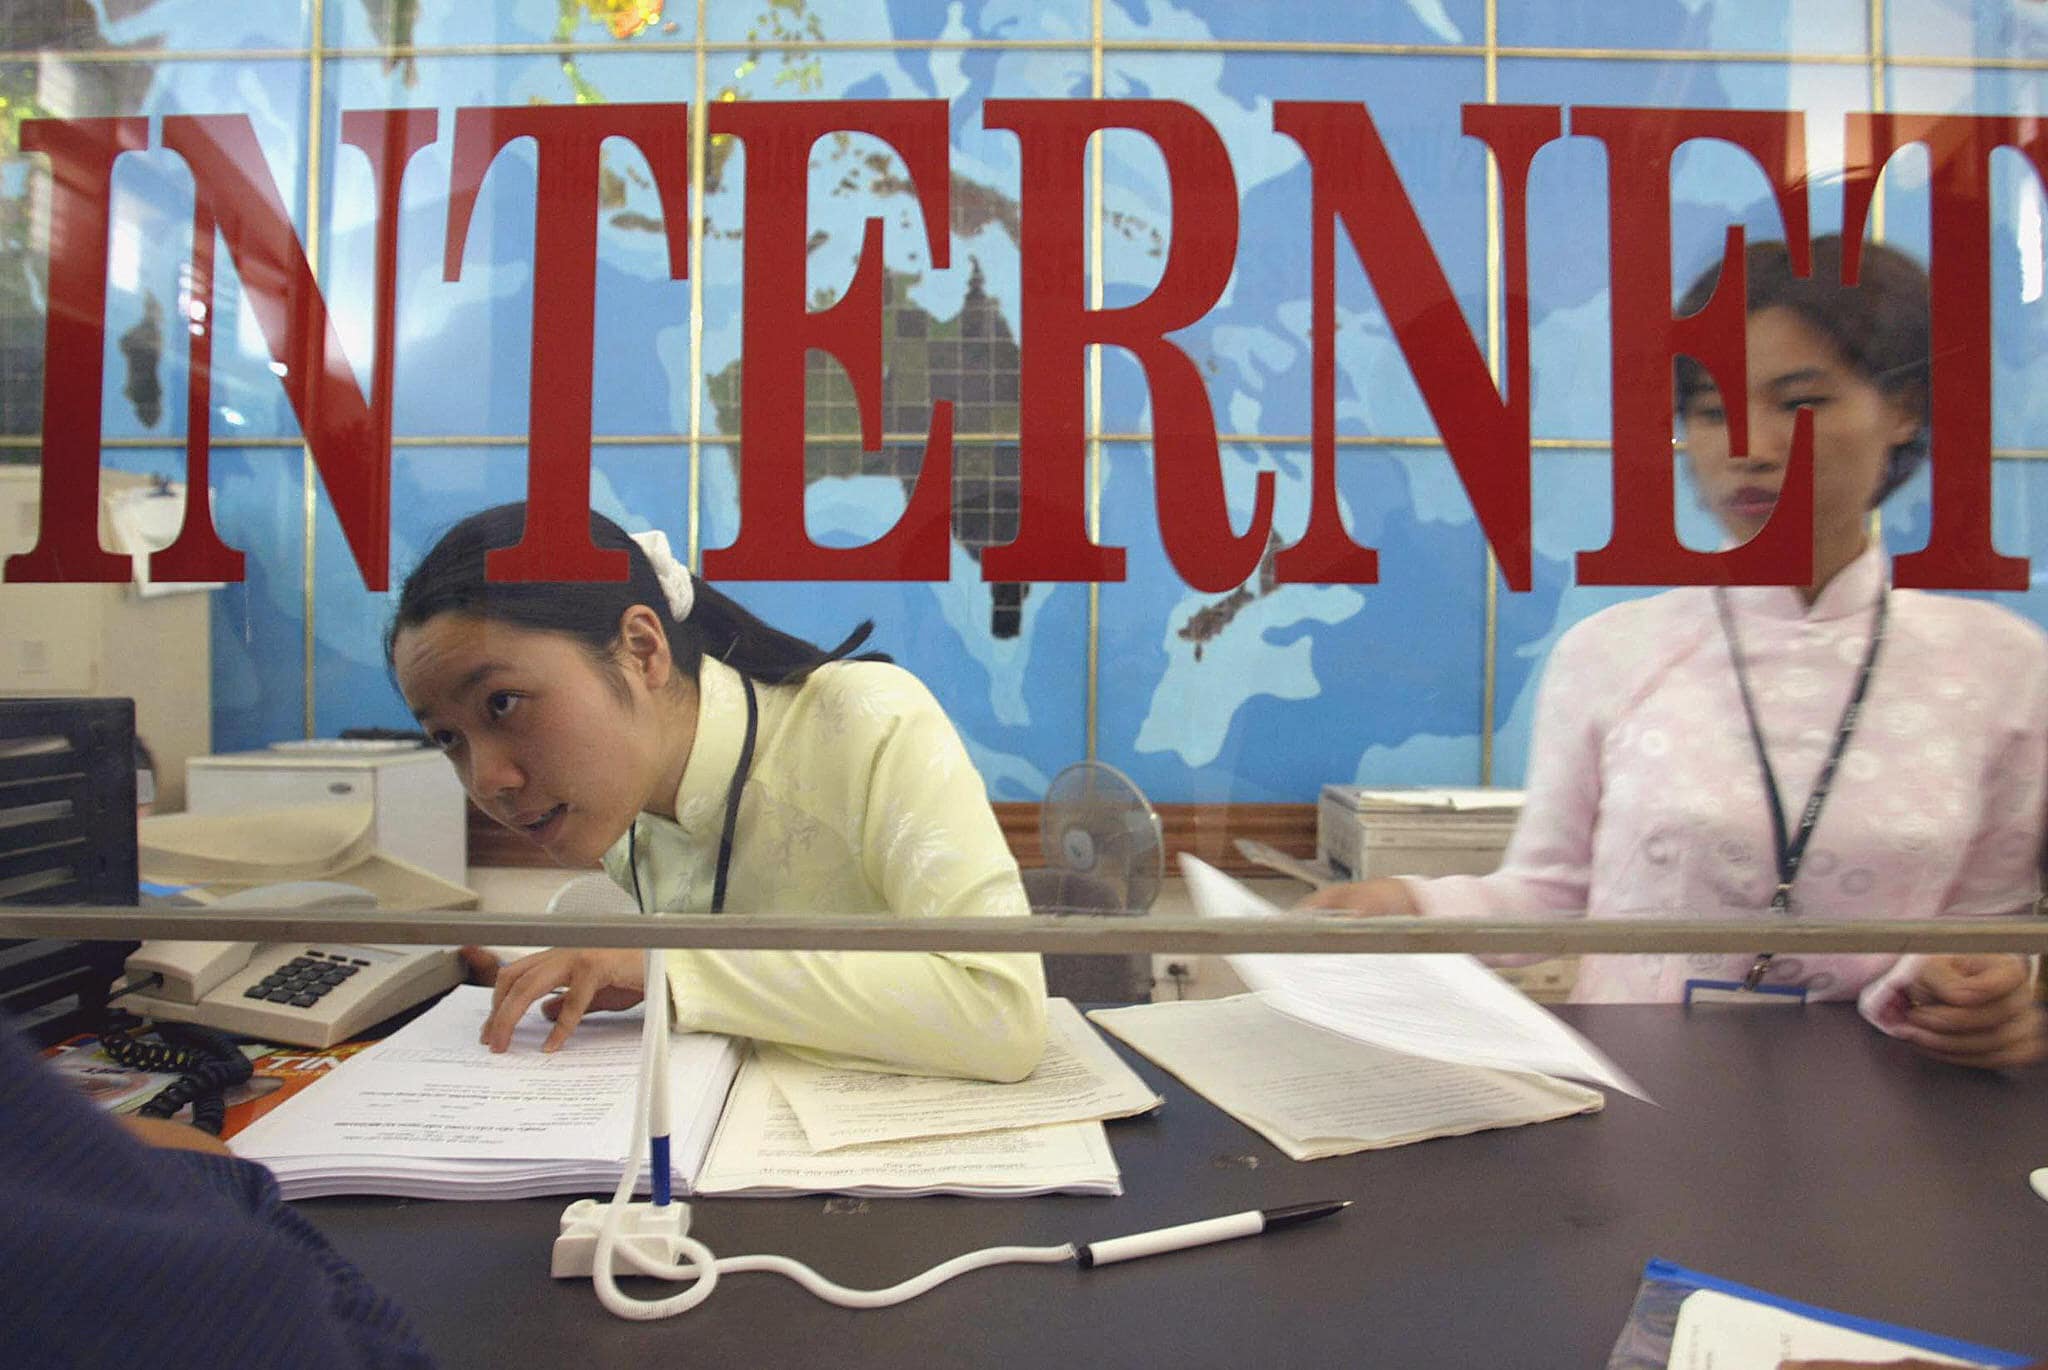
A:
(700, 1266)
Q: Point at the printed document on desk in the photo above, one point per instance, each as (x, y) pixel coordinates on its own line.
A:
(761, 1151)
(1447, 1007)
(1313, 1093)
(1686, 1320)
(1720, 1329)
(431, 1113)
(1079, 1080)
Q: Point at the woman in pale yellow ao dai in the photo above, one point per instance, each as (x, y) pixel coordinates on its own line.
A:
(609, 720)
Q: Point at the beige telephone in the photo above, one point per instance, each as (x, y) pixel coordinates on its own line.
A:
(308, 993)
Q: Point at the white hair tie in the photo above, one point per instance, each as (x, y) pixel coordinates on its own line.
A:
(676, 585)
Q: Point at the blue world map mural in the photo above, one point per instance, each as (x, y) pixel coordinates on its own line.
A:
(1257, 695)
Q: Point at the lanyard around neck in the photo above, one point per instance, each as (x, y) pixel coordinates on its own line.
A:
(1790, 849)
(732, 813)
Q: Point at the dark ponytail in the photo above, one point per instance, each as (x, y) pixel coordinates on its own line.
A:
(450, 580)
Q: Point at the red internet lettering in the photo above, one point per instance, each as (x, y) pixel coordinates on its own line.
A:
(1485, 427)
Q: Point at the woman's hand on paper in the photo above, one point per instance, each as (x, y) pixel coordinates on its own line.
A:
(1975, 1011)
(588, 978)
(481, 964)
(1365, 899)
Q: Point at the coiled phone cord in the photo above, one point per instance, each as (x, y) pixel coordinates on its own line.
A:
(700, 1266)
(207, 1063)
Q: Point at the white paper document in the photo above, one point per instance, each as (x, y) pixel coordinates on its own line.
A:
(1312, 1093)
(1080, 1080)
(1717, 1331)
(1446, 1007)
(431, 1112)
(761, 1150)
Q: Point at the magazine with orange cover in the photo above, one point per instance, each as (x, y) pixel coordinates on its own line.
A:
(280, 1073)
(277, 1074)
(102, 1079)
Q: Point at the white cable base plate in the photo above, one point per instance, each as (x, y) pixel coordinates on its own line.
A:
(655, 1233)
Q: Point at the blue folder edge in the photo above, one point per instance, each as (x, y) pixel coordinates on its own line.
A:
(1669, 1273)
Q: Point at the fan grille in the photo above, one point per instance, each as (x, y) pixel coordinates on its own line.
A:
(1100, 833)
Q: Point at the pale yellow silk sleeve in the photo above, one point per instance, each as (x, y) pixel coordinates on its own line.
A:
(928, 842)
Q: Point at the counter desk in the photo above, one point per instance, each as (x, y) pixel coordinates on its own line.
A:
(1797, 1150)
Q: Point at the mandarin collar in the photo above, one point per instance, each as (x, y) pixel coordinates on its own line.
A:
(715, 750)
(1849, 595)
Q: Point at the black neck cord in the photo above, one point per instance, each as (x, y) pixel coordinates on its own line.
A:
(732, 813)
(1789, 849)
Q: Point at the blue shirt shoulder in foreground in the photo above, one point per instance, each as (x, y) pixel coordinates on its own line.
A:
(120, 1254)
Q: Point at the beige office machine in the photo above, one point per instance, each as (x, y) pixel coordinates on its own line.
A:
(214, 855)
(1364, 832)
(419, 812)
(110, 640)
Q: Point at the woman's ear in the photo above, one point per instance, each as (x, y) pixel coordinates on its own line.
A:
(643, 644)
(1908, 415)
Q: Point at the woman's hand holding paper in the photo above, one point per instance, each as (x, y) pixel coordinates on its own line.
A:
(1365, 899)
(1975, 1011)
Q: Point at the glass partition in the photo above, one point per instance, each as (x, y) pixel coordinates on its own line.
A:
(1274, 351)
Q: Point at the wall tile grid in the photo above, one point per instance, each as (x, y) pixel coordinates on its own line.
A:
(1253, 695)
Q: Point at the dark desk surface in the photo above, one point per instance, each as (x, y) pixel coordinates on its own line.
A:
(1797, 1150)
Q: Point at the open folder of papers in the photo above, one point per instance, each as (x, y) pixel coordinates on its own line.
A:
(1443, 1007)
(431, 1113)
(760, 1149)
(1336, 1054)
(1313, 1093)
(1685, 1320)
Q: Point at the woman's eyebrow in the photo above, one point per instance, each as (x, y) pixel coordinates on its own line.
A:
(1806, 375)
(470, 680)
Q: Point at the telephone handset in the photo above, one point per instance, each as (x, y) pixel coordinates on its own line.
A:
(306, 993)
(190, 970)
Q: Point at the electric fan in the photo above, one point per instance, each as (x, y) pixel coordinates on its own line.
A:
(1103, 849)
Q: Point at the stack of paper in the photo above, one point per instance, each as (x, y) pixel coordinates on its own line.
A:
(1367, 833)
(431, 1113)
(1445, 1007)
(1433, 798)
(791, 1126)
(1335, 1054)
(1313, 1093)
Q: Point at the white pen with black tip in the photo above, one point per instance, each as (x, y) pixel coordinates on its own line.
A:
(1247, 1224)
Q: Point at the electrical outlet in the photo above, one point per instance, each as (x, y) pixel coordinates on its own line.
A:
(1177, 976)
(1171, 968)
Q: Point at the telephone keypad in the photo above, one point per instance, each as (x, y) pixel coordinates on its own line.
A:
(303, 980)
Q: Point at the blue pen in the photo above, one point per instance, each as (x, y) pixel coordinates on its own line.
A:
(657, 1097)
